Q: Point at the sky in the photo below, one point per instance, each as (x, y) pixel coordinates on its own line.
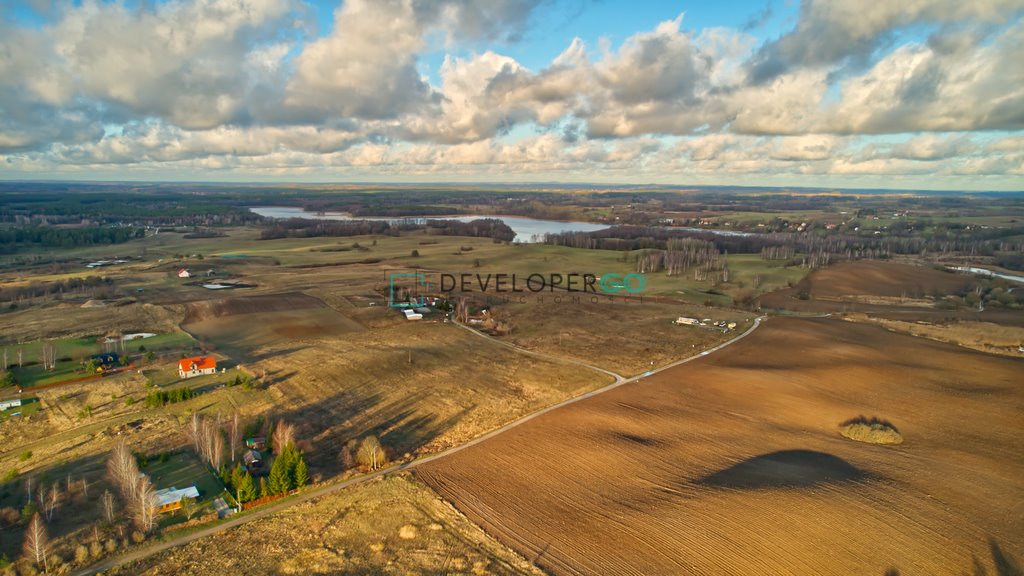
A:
(902, 94)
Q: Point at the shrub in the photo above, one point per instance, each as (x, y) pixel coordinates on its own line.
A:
(81, 554)
(872, 430)
(25, 455)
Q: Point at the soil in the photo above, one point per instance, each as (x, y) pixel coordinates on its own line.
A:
(733, 464)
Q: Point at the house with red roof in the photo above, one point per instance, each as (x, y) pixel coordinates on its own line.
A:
(197, 366)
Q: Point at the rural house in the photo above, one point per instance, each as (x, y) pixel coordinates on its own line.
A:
(197, 366)
(183, 273)
(256, 443)
(7, 404)
(170, 498)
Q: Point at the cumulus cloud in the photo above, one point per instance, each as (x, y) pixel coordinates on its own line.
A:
(831, 31)
(237, 85)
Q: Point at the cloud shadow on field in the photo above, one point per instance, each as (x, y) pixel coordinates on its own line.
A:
(785, 469)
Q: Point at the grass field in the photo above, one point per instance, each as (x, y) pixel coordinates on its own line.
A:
(733, 464)
(181, 470)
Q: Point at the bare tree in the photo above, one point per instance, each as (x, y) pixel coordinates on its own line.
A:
(21, 351)
(144, 505)
(234, 436)
(217, 453)
(124, 470)
(36, 542)
(194, 428)
(108, 505)
(85, 487)
(189, 507)
(284, 434)
(52, 501)
(371, 453)
(49, 356)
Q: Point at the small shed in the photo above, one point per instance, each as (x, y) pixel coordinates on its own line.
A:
(256, 443)
(7, 404)
(253, 460)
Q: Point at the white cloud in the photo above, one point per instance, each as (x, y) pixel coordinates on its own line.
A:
(232, 85)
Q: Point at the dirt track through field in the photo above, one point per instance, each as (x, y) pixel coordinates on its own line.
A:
(733, 465)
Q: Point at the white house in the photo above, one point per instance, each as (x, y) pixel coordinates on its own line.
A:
(183, 273)
(5, 404)
(197, 366)
(411, 314)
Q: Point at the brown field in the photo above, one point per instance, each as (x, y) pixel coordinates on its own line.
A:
(420, 386)
(390, 526)
(893, 290)
(72, 320)
(245, 324)
(733, 464)
(886, 279)
(627, 338)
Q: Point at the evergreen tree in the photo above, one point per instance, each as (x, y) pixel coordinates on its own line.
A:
(246, 489)
(279, 482)
(301, 473)
(225, 475)
(236, 475)
(263, 488)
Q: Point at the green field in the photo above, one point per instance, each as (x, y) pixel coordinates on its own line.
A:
(71, 352)
(181, 470)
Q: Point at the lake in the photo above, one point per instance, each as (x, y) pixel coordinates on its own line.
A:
(526, 229)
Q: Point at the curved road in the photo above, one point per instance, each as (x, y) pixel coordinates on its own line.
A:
(324, 490)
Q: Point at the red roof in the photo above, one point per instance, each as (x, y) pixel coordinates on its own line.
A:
(201, 363)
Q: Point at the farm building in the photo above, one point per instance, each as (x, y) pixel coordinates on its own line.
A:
(412, 314)
(197, 366)
(183, 273)
(170, 498)
(253, 460)
(256, 443)
(687, 321)
(6, 404)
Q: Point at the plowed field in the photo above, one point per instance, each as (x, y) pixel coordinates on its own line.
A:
(733, 464)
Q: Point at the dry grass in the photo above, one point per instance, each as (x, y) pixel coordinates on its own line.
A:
(627, 338)
(871, 430)
(420, 386)
(391, 526)
(982, 336)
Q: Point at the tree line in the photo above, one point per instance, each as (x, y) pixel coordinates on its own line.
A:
(51, 237)
(309, 228)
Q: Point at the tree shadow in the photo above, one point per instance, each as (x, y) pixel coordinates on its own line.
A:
(785, 469)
